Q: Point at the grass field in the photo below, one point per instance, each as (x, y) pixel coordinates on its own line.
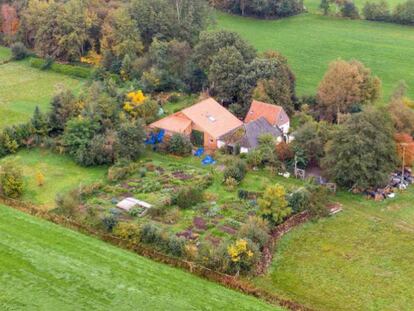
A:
(360, 259)
(61, 174)
(4, 54)
(46, 267)
(311, 41)
(22, 88)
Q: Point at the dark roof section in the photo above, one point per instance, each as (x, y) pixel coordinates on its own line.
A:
(248, 135)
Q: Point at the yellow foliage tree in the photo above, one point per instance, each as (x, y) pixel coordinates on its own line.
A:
(140, 106)
(134, 100)
(238, 250)
(40, 179)
(243, 256)
(273, 205)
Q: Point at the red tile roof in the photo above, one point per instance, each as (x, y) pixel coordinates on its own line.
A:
(207, 115)
(176, 123)
(212, 117)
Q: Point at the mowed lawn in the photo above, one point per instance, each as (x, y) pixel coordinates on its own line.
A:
(60, 172)
(360, 259)
(46, 267)
(311, 42)
(22, 88)
(5, 54)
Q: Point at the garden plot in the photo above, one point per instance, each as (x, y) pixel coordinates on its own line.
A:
(215, 217)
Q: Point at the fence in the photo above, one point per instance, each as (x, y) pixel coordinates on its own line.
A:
(226, 280)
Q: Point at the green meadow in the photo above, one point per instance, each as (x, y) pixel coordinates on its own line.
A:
(22, 88)
(60, 172)
(360, 259)
(310, 42)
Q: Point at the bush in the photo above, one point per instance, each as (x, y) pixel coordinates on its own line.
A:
(175, 246)
(243, 254)
(180, 145)
(171, 244)
(349, 10)
(109, 222)
(237, 171)
(254, 158)
(231, 184)
(299, 200)
(11, 180)
(67, 204)
(151, 234)
(404, 13)
(243, 194)
(256, 230)
(18, 51)
(377, 11)
(121, 170)
(188, 197)
(318, 201)
(127, 231)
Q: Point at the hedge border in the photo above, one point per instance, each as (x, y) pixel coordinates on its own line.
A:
(228, 281)
(65, 69)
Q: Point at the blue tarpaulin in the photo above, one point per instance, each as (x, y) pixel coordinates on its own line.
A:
(155, 138)
(199, 152)
(208, 160)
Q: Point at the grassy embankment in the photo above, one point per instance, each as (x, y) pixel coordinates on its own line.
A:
(46, 267)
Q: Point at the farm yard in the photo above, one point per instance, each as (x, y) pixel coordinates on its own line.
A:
(17, 106)
(217, 215)
(310, 42)
(362, 252)
(44, 266)
(187, 140)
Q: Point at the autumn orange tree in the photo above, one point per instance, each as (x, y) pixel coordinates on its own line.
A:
(9, 20)
(345, 87)
(405, 148)
(401, 109)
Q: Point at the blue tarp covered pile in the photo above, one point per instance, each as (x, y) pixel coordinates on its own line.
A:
(208, 160)
(199, 152)
(155, 138)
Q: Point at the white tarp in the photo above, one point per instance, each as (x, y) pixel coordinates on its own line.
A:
(129, 203)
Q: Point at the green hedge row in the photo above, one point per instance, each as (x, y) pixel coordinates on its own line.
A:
(70, 70)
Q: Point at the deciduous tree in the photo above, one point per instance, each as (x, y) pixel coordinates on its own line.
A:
(345, 88)
(362, 153)
(273, 205)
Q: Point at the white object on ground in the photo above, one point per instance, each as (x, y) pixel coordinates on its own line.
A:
(129, 203)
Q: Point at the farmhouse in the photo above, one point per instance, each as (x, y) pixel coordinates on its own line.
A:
(247, 136)
(274, 114)
(204, 123)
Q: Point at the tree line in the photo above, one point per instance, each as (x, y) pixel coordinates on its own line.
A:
(260, 9)
(403, 13)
